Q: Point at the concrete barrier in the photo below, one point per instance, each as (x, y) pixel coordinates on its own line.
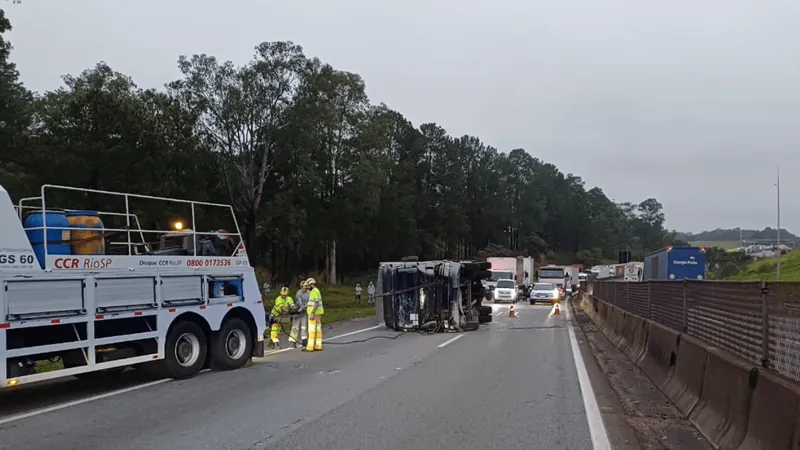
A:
(730, 401)
(616, 320)
(602, 311)
(685, 385)
(773, 422)
(588, 305)
(662, 352)
(636, 335)
(721, 413)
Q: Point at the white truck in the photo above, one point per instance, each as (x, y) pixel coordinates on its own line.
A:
(521, 269)
(553, 275)
(602, 271)
(573, 276)
(633, 271)
(95, 293)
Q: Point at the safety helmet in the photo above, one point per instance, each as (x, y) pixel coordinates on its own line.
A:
(284, 291)
(303, 284)
(310, 281)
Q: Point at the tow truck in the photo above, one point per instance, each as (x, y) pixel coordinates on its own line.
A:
(93, 292)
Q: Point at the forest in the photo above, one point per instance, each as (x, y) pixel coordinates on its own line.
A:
(322, 179)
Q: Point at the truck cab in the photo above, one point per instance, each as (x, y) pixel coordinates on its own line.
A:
(554, 275)
(496, 275)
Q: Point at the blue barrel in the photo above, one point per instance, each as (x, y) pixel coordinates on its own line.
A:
(57, 240)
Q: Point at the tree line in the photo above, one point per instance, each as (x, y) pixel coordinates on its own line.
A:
(321, 179)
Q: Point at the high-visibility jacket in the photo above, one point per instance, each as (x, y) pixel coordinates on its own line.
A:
(315, 299)
(281, 303)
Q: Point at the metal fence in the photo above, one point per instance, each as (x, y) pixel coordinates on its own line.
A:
(758, 321)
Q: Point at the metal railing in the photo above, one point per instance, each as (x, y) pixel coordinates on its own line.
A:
(759, 321)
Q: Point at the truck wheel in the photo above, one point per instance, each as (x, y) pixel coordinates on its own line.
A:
(484, 319)
(185, 352)
(485, 310)
(231, 346)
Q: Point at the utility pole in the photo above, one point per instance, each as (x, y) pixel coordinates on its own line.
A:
(778, 185)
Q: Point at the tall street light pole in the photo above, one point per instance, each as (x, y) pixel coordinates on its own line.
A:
(778, 185)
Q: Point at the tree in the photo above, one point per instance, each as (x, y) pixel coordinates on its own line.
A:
(242, 111)
(15, 117)
(320, 179)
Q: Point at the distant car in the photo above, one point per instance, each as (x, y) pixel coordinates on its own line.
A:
(544, 292)
(568, 290)
(505, 291)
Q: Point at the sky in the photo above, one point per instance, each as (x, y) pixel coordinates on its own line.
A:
(690, 102)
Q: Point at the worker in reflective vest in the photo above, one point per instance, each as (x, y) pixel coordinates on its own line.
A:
(315, 311)
(299, 316)
(282, 305)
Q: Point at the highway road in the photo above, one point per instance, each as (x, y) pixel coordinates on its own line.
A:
(514, 384)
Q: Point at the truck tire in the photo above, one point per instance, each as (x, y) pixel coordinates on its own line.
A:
(484, 319)
(185, 351)
(486, 310)
(471, 326)
(231, 346)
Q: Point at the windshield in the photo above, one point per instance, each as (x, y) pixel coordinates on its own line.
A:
(551, 273)
(543, 287)
(505, 284)
(501, 275)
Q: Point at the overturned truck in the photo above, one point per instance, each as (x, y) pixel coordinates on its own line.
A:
(433, 296)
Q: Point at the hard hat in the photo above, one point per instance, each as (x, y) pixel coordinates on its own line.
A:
(310, 281)
(284, 291)
(303, 284)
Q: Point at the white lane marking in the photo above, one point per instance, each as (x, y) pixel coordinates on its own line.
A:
(449, 341)
(553, 309)
(137, 387)
(352, 333)
(80, 402)
(275, 352)
(597, 430)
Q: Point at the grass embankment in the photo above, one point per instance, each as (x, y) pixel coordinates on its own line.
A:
(766, 269)
(340, 303)
(339, 300)
(726, 245)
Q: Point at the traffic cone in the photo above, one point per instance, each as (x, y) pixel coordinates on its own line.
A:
(511, 312)
(557, 312)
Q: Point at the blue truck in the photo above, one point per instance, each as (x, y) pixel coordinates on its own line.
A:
(675, 263)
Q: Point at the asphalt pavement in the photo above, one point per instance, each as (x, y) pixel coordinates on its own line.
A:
(510, 385)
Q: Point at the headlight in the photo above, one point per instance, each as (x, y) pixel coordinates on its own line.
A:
(556, 293)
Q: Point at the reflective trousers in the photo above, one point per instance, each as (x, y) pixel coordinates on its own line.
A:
(314, 333)
(299, 326)
(275, 333)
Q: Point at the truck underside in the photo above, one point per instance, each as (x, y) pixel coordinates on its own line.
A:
(433, 296)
